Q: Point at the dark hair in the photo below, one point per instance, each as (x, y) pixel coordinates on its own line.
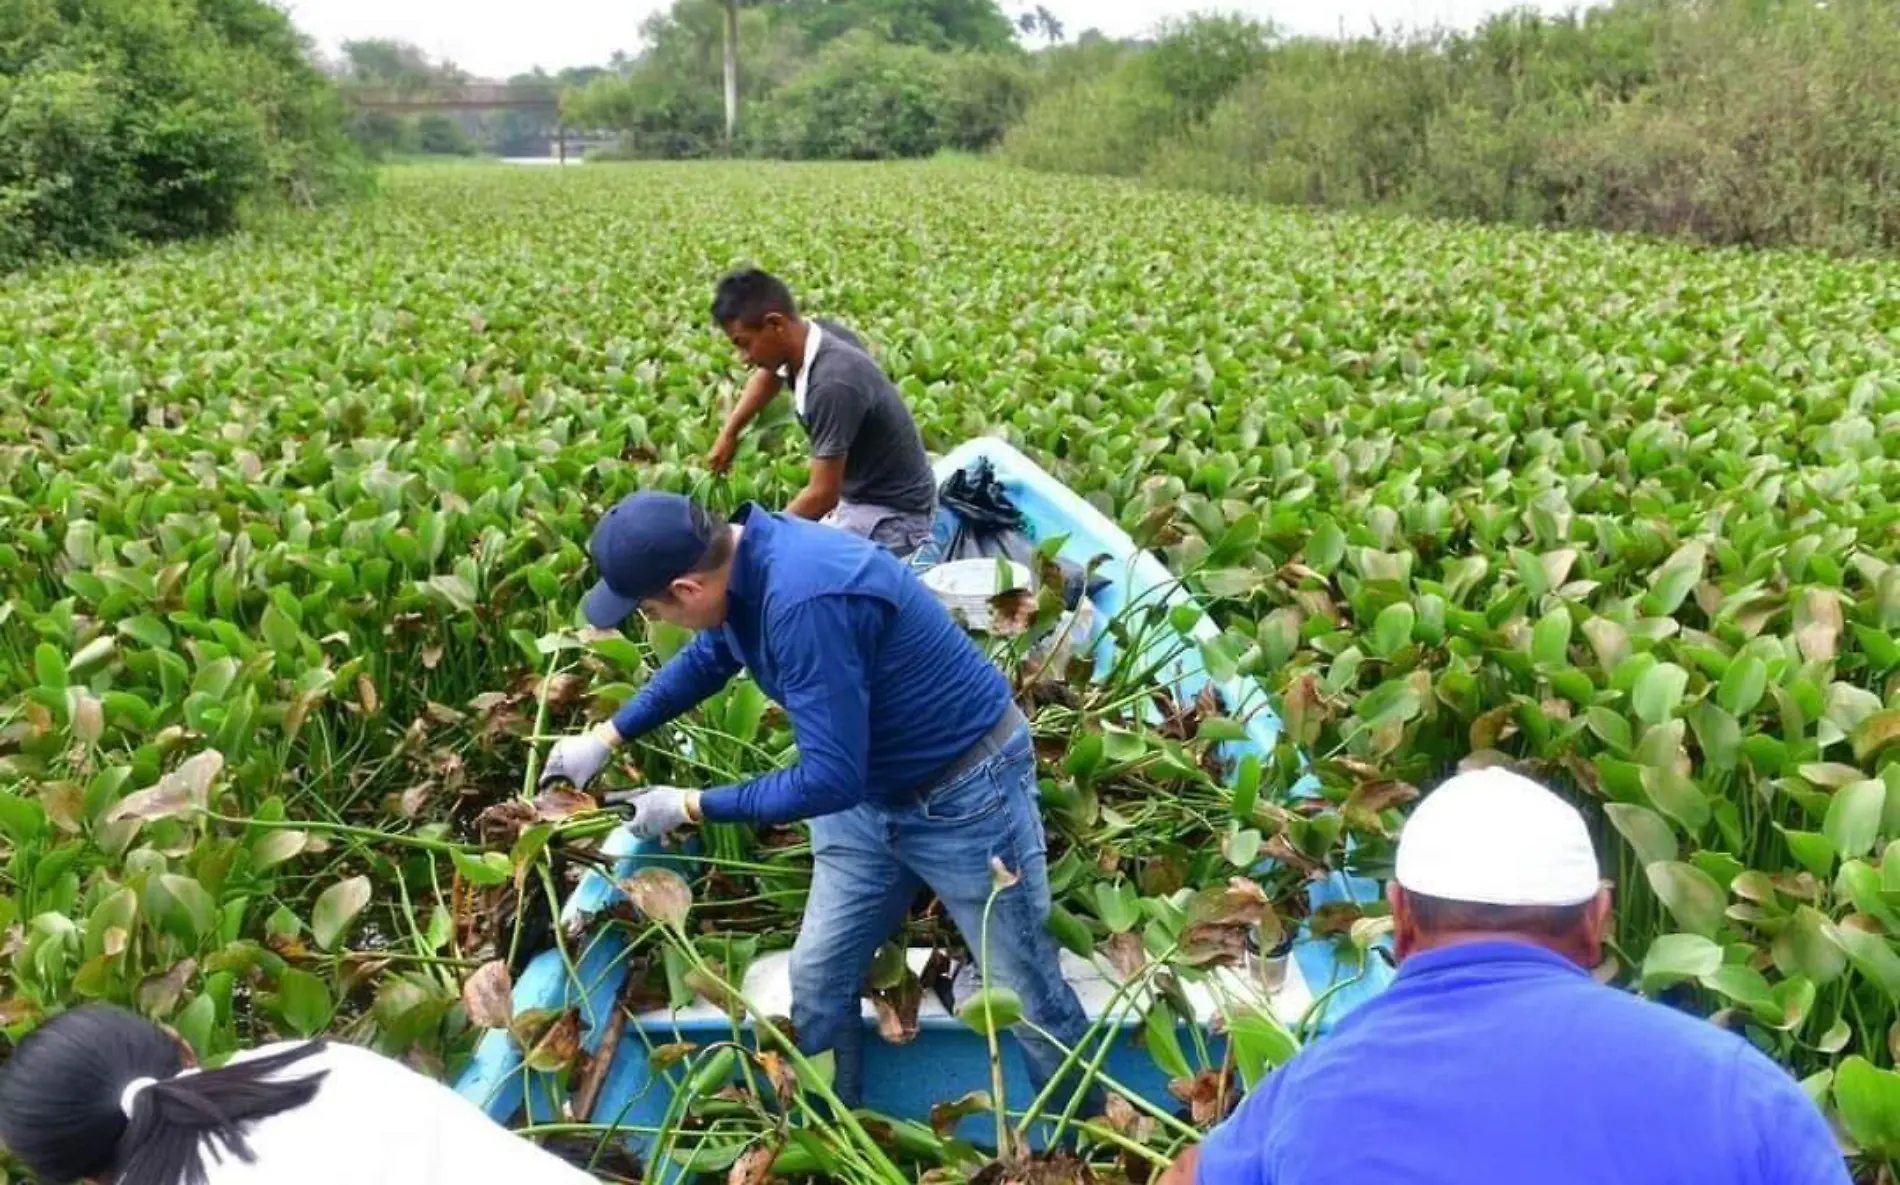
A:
(747, 296)
(59, 1101)
(1442, 915)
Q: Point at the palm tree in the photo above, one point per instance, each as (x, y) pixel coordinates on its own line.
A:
(732, 70)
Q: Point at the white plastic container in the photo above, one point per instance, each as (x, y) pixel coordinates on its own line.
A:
(966, 586)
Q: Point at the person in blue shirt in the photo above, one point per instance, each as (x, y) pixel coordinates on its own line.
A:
(914, 764)
(1495, 1058)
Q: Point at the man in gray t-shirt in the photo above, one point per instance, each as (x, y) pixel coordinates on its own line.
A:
(869, 472)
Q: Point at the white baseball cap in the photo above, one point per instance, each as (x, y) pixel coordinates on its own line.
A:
(1493, 837)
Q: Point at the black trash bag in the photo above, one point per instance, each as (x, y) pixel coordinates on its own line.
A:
(989, 525)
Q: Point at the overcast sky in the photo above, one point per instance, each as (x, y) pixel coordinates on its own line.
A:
(496, 38)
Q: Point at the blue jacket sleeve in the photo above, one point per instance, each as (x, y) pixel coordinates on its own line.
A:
(819, 647)
(704, 666)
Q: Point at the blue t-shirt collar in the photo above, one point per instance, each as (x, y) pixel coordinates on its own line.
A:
(1485, 951)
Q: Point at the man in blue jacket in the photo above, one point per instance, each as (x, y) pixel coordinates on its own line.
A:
(915, 766)
(1495, 1059)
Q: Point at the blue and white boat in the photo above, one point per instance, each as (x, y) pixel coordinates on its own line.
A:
(946, 1060)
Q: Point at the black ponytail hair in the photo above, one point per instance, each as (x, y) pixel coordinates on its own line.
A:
(59, 1101)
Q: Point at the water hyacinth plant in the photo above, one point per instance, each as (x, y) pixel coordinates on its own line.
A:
(294, 535)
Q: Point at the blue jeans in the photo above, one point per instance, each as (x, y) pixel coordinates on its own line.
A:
(869, 863)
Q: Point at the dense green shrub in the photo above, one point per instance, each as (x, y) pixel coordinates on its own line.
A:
(1116, 121)
(655, 115)
(864, 98)
(1109, 124)
(1325, 124)
(1730, 121)
(439, 135)
(144, 120)
(380, 133)
(983, 96)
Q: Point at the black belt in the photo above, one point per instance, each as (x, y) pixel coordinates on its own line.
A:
(988, 746)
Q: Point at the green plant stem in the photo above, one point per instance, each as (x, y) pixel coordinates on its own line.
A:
(1106, 1026)
(394, 957)
(1135, 1100)
(808, 1073)
(989, 1030)
(366, 834)
(530, 767)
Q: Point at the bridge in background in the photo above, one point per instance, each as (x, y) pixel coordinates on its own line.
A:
(476, 96)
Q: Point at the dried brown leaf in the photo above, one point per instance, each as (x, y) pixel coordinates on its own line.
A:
(1306, 709)
(89, 717)
(182, 791)
(781, 1075)
(896, 1009)
(415, 798)
(1240, 901)
(1012, 612)
(1206, 945)
(39, 719)
(502, 824)
(1369, 799)
(754, 1165)
(1163, 876)
(158, 995)
(65, 804)
(671, 1054)
(1123, 1118)
(1818, 624)
(1126, 954)
(661, 895)
(488, 995)
(1496, 725)
(1280, 848)
(944, 1117)
(559, 801)
(1209, 1095)
(1334, 917)
(559, 1046)
(564, 691)
(16, 1009)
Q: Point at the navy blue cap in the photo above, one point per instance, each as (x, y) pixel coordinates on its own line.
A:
(647, 541)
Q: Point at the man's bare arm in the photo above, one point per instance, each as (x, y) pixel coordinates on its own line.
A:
(822, 489)
(760, 389)
(1181, 1172)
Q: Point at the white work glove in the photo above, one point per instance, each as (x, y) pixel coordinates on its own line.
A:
(578, 759)
(661, 809)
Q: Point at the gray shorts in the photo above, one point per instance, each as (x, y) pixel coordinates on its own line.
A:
(900, 532)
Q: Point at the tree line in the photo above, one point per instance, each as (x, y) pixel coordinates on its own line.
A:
(1751, 122)
(1754, 122)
